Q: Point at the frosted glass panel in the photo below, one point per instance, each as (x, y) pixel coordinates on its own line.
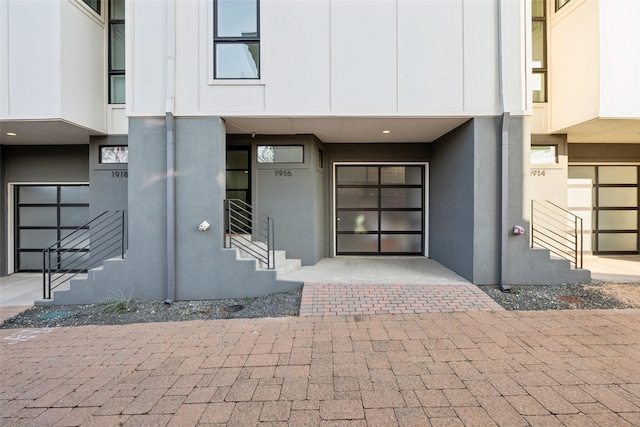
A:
(38, 216)
(401, 243)
(401, 197)
(37, 239)
(74, 216)
(74, 240)
(618, 175)
(37, 195)
(401, 221)
(74, 194)
(359, 222)
(357, 197)
(74, 260)
(30, 261)
(618, 220)
(583, 172)
(357, 175)
(618, 197)
(410, 175)
(357, 243)
(618, 242)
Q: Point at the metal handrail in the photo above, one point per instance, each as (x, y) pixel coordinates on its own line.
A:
(251, 231)
(84, 248)
(557, 230)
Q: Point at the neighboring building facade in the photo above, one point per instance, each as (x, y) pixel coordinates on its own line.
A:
(363, 128)
(588, 117)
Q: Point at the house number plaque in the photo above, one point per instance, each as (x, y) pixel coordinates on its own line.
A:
(283, 172)
(119, 174)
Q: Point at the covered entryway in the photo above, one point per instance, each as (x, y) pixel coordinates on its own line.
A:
(380, 209)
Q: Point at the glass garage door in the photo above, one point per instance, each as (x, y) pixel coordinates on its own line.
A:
(380, 210)
(45, 214)
(609, 204)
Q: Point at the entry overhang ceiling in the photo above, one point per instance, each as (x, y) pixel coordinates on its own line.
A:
(43, 132)
(327, 129)
(604, 131)
(348, 129)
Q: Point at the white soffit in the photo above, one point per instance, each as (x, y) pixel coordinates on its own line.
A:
(43, 132)
(604, 130)
(348, 129)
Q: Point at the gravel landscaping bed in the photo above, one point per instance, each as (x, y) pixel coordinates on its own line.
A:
(120, 311)
(597, 295)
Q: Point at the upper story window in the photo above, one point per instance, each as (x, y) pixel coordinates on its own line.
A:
(236, 42)
(560, 3)
(539, 50)
(93, 4)
(116, 52)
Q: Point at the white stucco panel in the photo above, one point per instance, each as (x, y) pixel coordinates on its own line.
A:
(620, 59)
(146, 68)
(363, 56)
(430, 56)
(295, 55)
(84, 67)
(31, 79)
(480, 56)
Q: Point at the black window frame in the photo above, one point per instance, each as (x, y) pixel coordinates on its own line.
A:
(96, 9)
(111, 70)
(100, 150)
(560, 4)
(218, 40)
(542, 70)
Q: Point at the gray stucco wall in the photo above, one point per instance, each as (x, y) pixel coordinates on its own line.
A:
(204, 269)
(451, 197)
(294, 195)
(486, 210)
(38, 164)
(109, 182)
(548, 181)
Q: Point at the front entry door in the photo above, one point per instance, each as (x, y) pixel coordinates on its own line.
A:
(239, 173)
(380, 209)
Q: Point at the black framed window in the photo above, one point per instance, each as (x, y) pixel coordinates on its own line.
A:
(539, 50)
(114, 154)
(93, 4)
(116, 52)
(236, 42)
(280, 154)
(560, 3)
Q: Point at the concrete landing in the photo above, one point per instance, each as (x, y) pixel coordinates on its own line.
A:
(378, 270)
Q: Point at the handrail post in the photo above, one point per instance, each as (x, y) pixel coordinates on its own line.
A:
(122, 234)
(44, 272)
(532, 222)
(581, 243)
(575, 228)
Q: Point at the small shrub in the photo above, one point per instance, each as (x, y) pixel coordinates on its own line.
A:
(118, 303)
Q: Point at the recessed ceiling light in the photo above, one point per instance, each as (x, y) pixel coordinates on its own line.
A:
(386, 131)
(11, 133)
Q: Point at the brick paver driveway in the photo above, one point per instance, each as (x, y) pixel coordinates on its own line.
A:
(475, 368)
